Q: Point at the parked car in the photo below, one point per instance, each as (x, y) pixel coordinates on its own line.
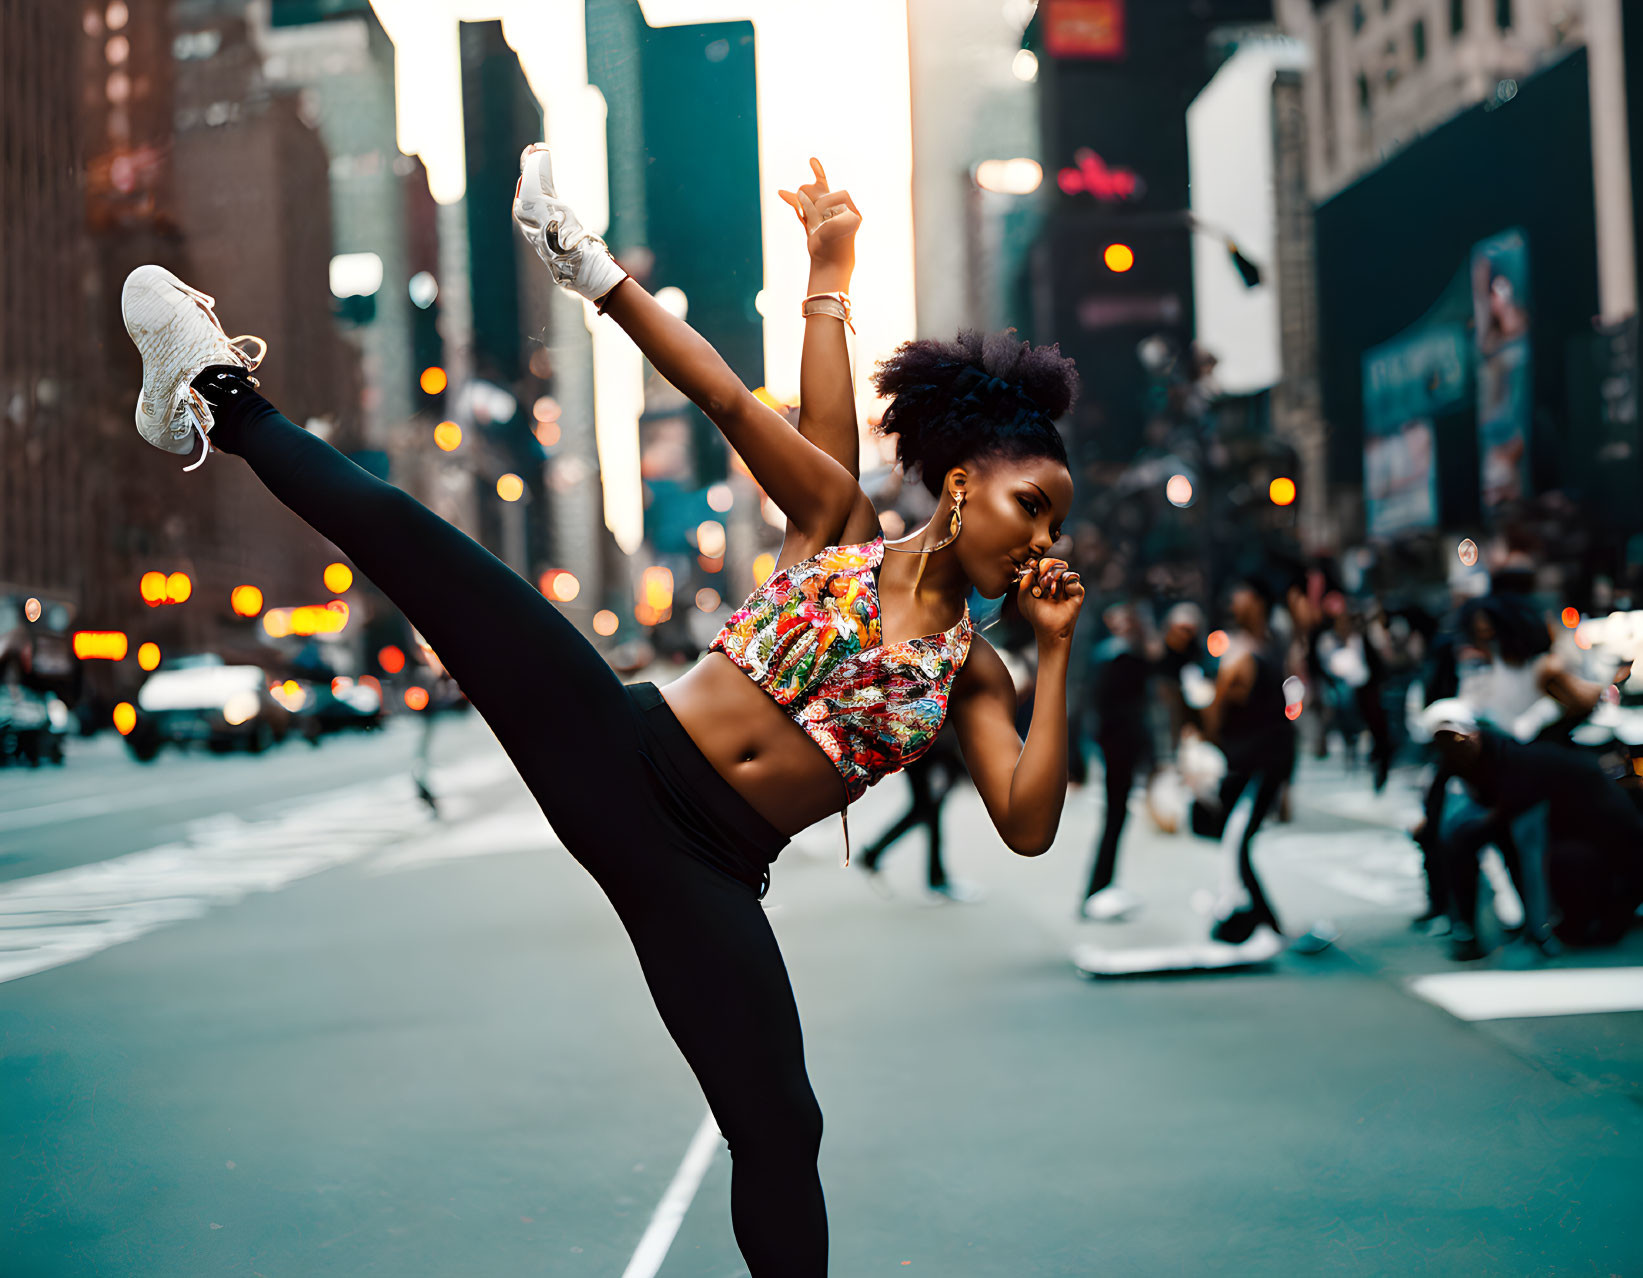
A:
(202, 700)
(32, 725)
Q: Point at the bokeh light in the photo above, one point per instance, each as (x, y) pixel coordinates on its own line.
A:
(720, 498)
(1178, 490)
(763, 566)
(416, 697)
(148, 656)
(605, 622)
(125, 718)
(560, 584)
(245, 600)
(338, 577)
(710, 538)
(31, 610)
(1281, 490)
(433, 380)
(178, 588)
(1571, 617)
(707, 599)
(510, 487)
(152, 587)
(447, 436)
(1119, 258)
(1217, 643)
(391, 659)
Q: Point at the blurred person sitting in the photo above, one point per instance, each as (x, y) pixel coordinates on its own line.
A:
(1508, 678)
(1579, 834)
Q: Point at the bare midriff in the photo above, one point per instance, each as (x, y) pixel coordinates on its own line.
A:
(752, 743)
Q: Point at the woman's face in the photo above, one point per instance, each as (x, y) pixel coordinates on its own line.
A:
(1013, 512)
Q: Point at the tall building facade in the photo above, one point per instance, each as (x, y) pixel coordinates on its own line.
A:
(1385, 72)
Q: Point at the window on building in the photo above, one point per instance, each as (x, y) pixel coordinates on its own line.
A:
(1503, 14)
(1357, 18)
(1417, 39)
(1457, 17)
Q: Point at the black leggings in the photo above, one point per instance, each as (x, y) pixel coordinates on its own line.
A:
(625, 789)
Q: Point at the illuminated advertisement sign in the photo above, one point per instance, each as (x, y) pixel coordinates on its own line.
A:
(1084, 28)
(1090, 175)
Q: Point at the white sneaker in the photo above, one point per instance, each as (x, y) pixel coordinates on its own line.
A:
(1110, 905)
(178, 334)
(576, 258)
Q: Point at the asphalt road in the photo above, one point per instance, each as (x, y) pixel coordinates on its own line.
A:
(268, 1017)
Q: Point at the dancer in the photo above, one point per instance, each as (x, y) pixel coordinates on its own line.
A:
(1248, 721)
(836, 671)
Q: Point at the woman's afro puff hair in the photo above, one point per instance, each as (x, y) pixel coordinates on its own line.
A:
(944, 412)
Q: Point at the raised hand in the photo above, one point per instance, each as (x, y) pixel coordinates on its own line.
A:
(1050, 596)
(830, 219)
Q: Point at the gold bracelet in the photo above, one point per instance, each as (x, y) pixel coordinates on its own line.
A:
(834, 304)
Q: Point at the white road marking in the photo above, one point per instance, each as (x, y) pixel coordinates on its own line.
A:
(1491, 996)
(47, 920)
(670, 1212)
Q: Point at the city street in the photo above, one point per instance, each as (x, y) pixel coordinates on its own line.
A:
(269, 1017)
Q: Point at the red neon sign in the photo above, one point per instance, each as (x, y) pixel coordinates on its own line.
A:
(1091, 174)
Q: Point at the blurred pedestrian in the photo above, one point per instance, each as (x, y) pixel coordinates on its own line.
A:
(1355, 682)
(930, 779)
(1248, 721)
(1119, 697)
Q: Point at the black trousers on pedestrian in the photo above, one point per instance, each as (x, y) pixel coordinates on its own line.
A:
(1267, 782)
(929, 780)
(1121, 757)
(673, 845)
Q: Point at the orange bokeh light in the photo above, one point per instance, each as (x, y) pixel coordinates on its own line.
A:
(178, 588)
(245, 600)
(153, 587)
(1571, 617)
(433, 380)
(448, 435)
(338, 577)
(125, 718)
(416, 697)
(148, 656)
(1217, 643)
(1119, 257)
(391, 659)
(1281, 490)
(100, 645)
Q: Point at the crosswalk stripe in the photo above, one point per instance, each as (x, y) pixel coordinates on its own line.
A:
(47, 920)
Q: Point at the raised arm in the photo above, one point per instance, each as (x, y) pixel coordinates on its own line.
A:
(827, 397)
(814, 491)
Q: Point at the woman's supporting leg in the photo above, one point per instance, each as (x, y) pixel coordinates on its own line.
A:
(718, 979)
(556, 706)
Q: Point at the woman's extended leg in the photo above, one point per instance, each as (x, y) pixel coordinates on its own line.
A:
(557, 707)
(716, 973)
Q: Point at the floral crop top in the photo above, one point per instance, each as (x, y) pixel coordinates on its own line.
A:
(811, 637)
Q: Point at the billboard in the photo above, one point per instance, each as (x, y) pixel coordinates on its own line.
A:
(1084, 28)
(1500, 335)
(1407, 382)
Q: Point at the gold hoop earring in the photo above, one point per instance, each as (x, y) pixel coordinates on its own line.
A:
(955, 523)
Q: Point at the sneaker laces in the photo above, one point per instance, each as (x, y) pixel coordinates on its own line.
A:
(194, 409)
